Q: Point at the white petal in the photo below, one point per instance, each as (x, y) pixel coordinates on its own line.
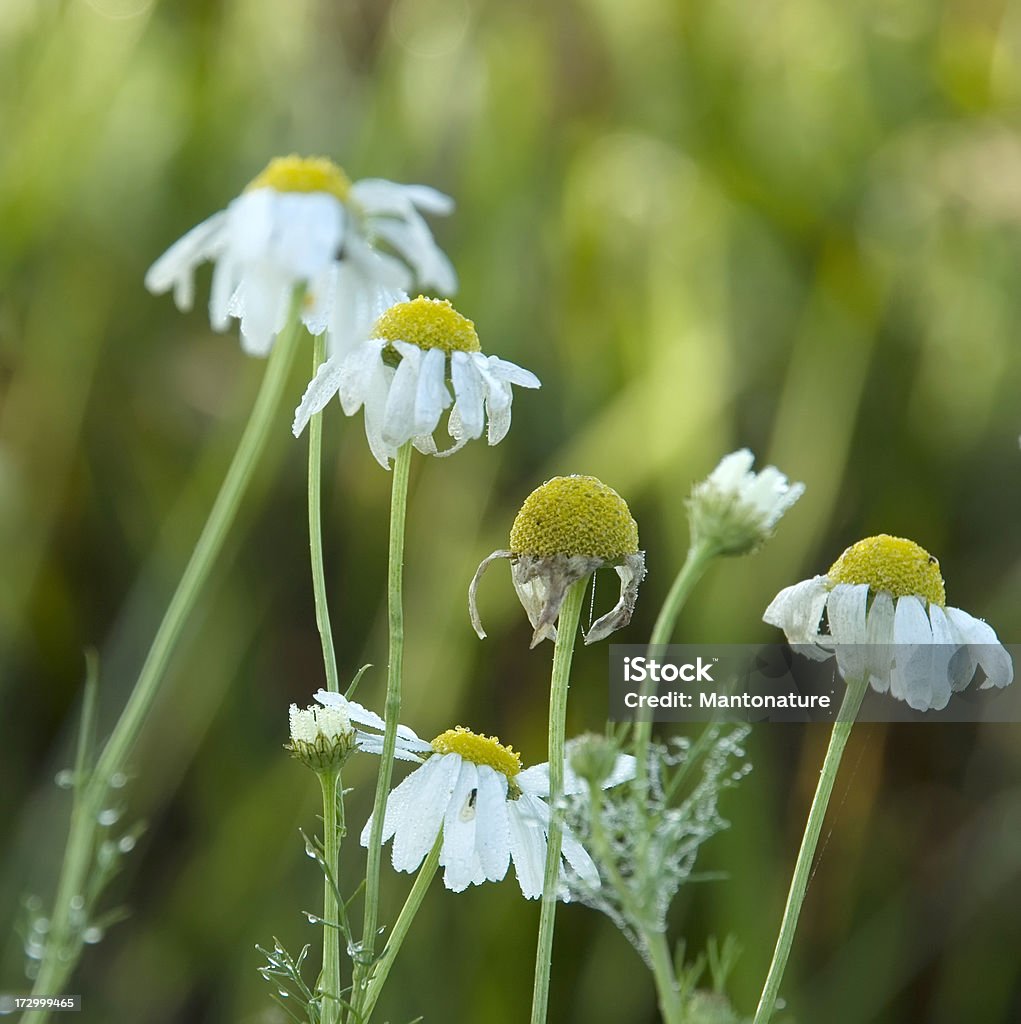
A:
(431, 397)
(879, 640)
(984, 646)
(910, 679)
(423, 820)
(175, 268)
(469, 394)
(512, 373)
(845, 612)
(459, 827)
(528, 843)
(577, 856)
(492, 833)
(798, 609)
(399, 415)
(309, 227)
(323, 386)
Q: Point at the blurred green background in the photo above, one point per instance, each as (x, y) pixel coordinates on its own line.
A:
(788, 224)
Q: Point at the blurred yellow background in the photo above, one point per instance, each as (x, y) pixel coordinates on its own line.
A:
(787, 225)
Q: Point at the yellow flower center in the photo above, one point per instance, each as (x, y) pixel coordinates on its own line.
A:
(486, 750)
(574, 515)
(428, 323)
(304, 174)
(893, 564)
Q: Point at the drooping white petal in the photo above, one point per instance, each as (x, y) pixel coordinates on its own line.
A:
(399, 414)
(457, 855)
(879, 641)
(431, 397)
(528, 842)
(469, 395)
(912, 635)
(578, 857)
(492, 833)
(798, 609)
(846, 614)
(176, 267)
(984, 646)
(323, 386)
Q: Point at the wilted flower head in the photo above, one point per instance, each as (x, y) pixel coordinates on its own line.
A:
(566, 530)
(416, 359)
(303, 222)
(887, 619)
(491, 812)
(734, 510)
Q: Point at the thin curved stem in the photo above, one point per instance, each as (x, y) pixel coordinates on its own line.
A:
(695, 564)
(329, 980)
(63, 949)
(315, 532)
(853, 697)
(395, 666)
(381, 969)
(563, 653)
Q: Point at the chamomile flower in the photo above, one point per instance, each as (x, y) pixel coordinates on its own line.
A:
(566, 530)
(734, 510)
(303, 222)
(886, 616)
(321, 738)
(415, 361)
(490, 811)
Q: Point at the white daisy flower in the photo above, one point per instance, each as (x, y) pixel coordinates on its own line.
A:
(887, 618)
(368, 727)
(566, 530)
(416, 360)
(490, 811)
(734, 510)
(298, 223)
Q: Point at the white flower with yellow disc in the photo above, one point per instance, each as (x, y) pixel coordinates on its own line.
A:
(886, 617)
(416, 360)
(303, 222)
(491, 812)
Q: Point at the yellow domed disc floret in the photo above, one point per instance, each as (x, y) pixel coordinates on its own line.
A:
(304, 174)
(893, 564)
(428, 323)
(574, 515)
(486, 750)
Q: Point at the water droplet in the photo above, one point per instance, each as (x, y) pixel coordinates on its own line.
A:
(108, 816)
(283, 993)
(64, 778)
(34, 950)
(126, 843)
(41, 925)
(118, 780)
(77, 902)
(310, 850)
(92, 935)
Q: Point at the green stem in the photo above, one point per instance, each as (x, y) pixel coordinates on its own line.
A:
(411, 906)
(667, 991)
(329, 980)
(563, 652)
(695, 564)
(799, 883)
(64, 947)
(395, 665)
(315, 531)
